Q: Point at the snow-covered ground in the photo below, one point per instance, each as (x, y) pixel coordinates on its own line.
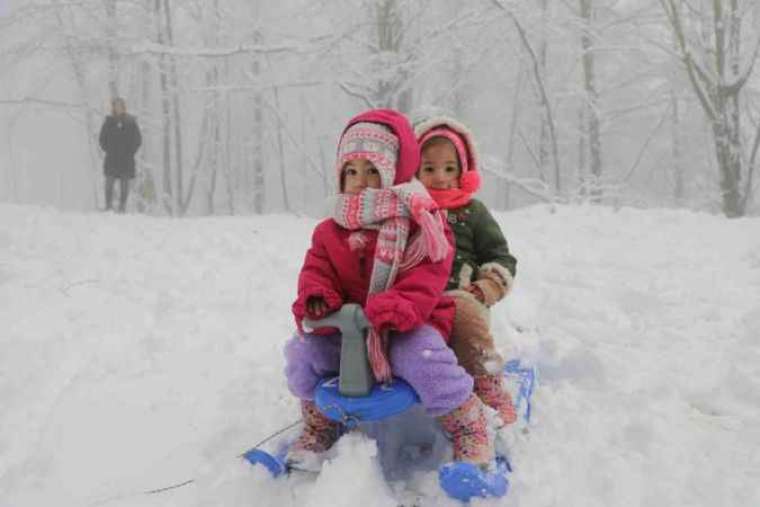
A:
(138, 352)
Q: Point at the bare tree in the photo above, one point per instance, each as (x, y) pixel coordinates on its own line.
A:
(679, 187)
(258, 192)
(113, 59)
(544, 140)
(391, 91)
(714, 67)
(145, 187)
(540, 83)
(175, 108)
(281, 153)
(385, 82)
(166, 191)
(590, 128)
(222, 122)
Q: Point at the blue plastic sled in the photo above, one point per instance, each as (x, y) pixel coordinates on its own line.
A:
(352, 399)
(462, 481)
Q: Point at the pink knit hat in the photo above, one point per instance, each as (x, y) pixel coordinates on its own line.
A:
(408, 158)
(469, 180)
(373, 142)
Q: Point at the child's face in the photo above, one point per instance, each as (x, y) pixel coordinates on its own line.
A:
(440, 166)
(360, 174)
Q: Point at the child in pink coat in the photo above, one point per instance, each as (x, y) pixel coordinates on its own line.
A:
(387, 248)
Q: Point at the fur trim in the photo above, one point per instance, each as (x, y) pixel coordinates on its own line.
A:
(460, 293)
(503, 273)
(465, 276)
(491, 287)
(458, 127)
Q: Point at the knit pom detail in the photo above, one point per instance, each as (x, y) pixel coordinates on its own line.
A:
(469, 182)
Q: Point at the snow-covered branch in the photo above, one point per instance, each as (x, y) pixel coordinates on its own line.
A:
(533, 186)
(154, 48)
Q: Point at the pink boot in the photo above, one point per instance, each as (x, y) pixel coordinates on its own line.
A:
(318, 435)
(469, 433)
(490, 389)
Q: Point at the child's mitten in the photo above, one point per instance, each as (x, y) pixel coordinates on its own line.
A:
(494, 281)
(391, 312)
(316, 307)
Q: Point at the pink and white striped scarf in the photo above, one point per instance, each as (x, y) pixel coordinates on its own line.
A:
(390, 211)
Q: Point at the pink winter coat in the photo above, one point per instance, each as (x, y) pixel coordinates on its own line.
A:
(331, 270)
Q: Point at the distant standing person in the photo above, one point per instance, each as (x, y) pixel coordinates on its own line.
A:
(120, 139)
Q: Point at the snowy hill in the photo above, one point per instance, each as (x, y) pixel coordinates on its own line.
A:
(140, 352)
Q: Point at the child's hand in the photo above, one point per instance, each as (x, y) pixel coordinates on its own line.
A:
(316, 307)
(477, 292)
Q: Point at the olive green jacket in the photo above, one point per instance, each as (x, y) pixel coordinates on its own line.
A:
(480, 247)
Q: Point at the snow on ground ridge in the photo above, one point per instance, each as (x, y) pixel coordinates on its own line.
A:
(139, 352)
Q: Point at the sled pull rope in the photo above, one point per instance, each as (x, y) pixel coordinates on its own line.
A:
(189, 481)
(273, 435)
(167, 488)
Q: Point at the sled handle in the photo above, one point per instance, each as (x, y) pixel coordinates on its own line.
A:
(356, 378)
(350, 319)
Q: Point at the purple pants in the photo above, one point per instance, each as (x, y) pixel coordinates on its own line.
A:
(419, 356)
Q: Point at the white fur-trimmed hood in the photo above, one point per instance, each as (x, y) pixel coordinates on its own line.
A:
(423, 126)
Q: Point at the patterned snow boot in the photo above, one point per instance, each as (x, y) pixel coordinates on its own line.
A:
(318, 435)
(490, 389)
(468, 428)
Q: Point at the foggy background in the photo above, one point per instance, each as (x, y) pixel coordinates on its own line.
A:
(138, 352)
(646, 103)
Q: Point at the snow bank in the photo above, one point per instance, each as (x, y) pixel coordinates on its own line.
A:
(140, 352)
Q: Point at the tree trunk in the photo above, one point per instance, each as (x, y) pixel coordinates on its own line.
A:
(213, 78)
(728, 149)
(146, 189)
(458, 98)
(165, 116)
(216, 114)
(113, 60)
(78, 68)
(727, 124)
(582, 152)
(592, 101)
(543, 130)
(392, 92)
(679, 191)
(538, 76)
(259, 189)
(215, 149)
(516, 102)
(718, 93)
(228, 163)
(176, 113)
(281, 154)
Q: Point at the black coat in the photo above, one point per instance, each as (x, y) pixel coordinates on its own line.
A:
(120, 138)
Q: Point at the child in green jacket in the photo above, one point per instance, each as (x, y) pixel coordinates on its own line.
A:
(483, 270)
